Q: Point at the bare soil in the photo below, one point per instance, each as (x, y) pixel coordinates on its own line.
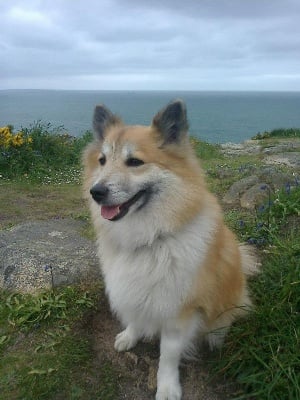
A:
(137, 368)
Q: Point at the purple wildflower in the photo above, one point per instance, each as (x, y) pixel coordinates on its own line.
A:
(242, 223)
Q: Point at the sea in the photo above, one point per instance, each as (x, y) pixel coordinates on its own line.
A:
(216, 117)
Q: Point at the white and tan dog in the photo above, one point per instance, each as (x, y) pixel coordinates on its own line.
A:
(170, 265)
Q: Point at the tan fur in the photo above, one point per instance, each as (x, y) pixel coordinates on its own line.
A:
(220, 286)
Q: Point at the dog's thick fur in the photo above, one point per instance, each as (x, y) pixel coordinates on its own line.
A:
(170, 265)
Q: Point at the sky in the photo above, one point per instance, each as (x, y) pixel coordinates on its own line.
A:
(150, 44)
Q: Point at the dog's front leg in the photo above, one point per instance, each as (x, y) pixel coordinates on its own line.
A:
(174, 342)
(127, 339)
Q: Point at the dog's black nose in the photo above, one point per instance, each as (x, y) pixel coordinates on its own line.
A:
(99, 192)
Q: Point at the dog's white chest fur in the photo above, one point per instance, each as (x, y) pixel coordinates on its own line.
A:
(150, 284)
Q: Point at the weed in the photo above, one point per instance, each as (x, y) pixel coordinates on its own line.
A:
(25, 311)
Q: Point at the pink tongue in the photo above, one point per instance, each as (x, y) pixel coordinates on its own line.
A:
(109, 212)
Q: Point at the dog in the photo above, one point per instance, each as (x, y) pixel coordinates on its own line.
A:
(171, 267)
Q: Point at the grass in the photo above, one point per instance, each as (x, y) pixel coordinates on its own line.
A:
(24, 201)
(46, 353)
(262, 352)
(45, 343)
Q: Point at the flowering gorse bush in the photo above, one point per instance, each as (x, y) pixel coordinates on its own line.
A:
(40, 152)
(9, 139)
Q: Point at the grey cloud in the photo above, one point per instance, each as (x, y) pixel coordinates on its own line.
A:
(221, 9)
(203, 44)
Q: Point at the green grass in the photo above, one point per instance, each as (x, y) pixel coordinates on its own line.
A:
(26, 200)
(206, 151)
(46, 353)
(262, 352)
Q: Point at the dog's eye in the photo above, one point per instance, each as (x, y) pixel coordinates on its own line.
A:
(102, 160)
(134, 162)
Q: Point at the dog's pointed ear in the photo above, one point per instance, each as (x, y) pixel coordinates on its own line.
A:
(172, 122)
(103, 118)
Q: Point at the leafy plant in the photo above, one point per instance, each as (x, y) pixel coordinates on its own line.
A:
(39, 152)
(27, 311)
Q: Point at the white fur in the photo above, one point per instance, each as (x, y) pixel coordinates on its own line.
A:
(149, 285)
(175, 339)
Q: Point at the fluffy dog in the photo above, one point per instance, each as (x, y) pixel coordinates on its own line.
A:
(171, 267)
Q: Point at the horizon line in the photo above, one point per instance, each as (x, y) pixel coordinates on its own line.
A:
(157, 90)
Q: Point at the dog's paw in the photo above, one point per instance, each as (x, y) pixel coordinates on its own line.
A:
(124, 341)
(168, 392)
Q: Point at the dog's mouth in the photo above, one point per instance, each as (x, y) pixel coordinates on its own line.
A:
(116, 212)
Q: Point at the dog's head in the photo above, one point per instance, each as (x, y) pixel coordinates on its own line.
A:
(141, 173)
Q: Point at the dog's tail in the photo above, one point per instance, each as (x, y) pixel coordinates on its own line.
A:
(250, 260)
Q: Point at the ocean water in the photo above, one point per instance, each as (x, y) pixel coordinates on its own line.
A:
(216, 117)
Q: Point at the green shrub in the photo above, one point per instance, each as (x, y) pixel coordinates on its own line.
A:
(278, 133)
(38, 150)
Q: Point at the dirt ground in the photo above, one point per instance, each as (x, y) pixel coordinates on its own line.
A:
(137, 368)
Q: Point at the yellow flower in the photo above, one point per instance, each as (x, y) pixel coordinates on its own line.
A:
(29, 140)
(6, 132)
(18, 140)
(5, 136)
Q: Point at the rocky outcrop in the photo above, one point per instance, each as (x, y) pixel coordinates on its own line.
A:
(283, 151)
(291, 159)
(253, 190)
(41, 255)
(235, 191)
(255, 195)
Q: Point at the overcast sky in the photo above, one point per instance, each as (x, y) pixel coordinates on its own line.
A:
(150, 44)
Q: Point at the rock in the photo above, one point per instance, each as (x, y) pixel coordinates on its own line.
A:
(255, 196)
(279, 147)
(237, 149)
(291, 159)
(222, 172)
(282, 147)
(39, 255)
(233, 194)
(276, 179)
